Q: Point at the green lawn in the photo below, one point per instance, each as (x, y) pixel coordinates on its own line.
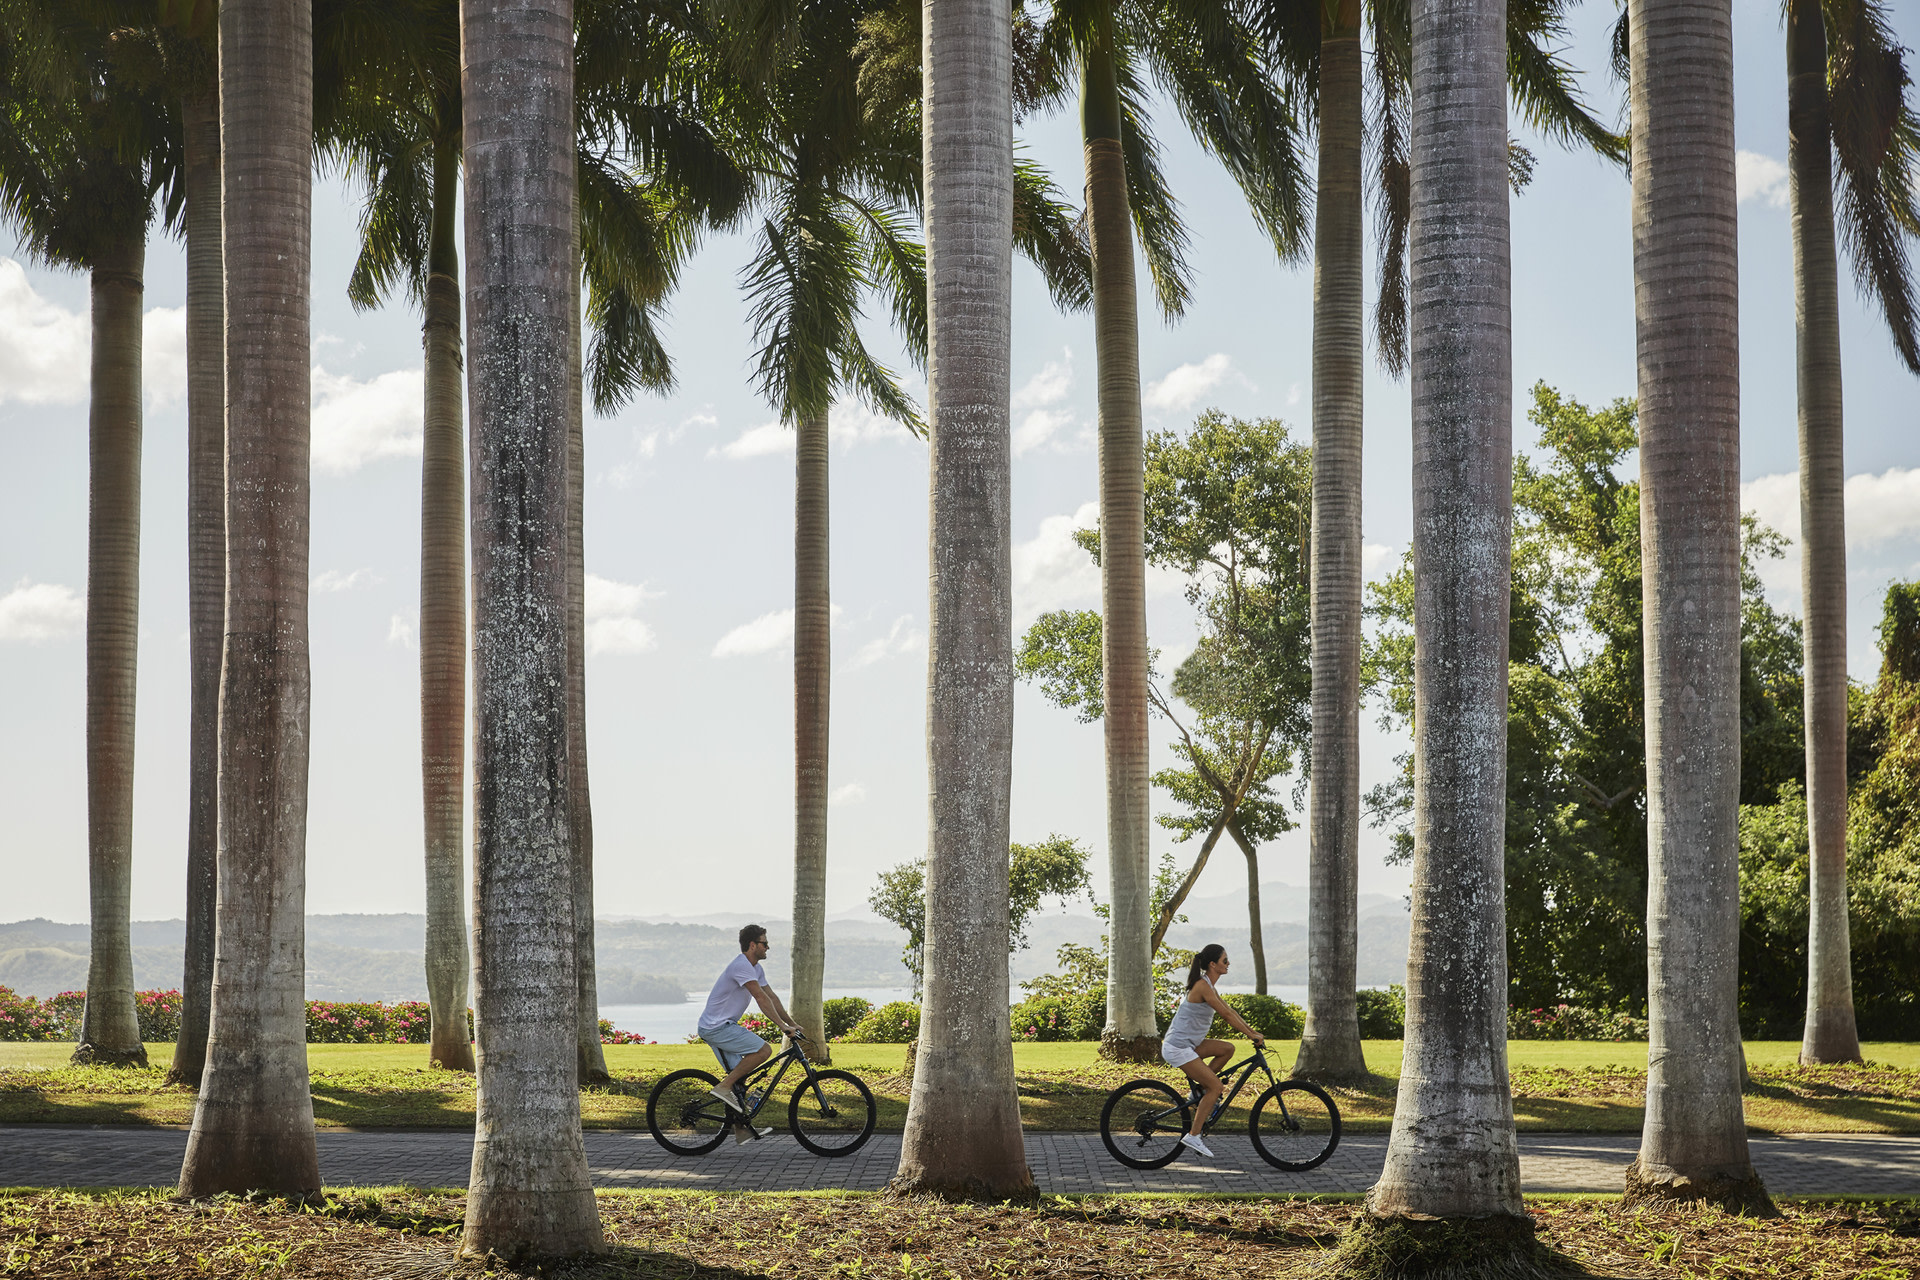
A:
(1558, 1086)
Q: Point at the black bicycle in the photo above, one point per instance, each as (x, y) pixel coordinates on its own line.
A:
(831, 1113)
(1294, 1125)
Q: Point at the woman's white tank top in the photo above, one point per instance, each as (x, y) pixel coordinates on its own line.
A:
(1191, 1021)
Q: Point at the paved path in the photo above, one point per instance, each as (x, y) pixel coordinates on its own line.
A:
(104, 1155)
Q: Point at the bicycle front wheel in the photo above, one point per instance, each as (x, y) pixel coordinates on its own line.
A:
(1295, 1126)
(684, 1116)
(1142, 1124)
(833, 1114)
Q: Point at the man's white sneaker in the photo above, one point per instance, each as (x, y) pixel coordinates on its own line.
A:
(1193, 1143)
(727, 1097)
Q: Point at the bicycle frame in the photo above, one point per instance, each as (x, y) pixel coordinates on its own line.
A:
(783, 1060)
(1239, 1073)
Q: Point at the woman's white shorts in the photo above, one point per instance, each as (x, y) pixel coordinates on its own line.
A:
(1177, 1053)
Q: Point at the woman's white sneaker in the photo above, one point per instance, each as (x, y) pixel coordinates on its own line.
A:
(1193, 1143)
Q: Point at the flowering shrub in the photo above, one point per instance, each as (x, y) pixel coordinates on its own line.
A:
(896, 1023)
(843, 1014)
(1573, 1022)
(66, 1010)
(1069, 1017)
(763, 1027)
(159, 1015)
(370, 1022)
(610, 1035)
(24, 1018)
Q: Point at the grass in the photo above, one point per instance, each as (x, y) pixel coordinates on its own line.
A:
(403, 1233)
(1558, 1086)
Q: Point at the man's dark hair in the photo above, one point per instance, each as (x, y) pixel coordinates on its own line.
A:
(750, 934)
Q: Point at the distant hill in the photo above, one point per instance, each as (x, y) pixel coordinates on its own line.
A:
(652, 961)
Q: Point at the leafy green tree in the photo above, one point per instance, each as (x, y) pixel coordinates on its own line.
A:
(1883, 856)
(1054, 868)
(1226, 506)
(1575, 785)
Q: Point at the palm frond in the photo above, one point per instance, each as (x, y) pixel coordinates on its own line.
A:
(1047, 230)
(1156, 214)
(1544, 84)
(1393, 184)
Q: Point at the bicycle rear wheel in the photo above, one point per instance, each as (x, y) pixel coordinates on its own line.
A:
(1295, 1126)
(833, 1115)
(684, 1116)
(1142, 1123)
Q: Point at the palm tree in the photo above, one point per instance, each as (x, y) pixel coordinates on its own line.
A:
(88, 145)
(395, 120)
(253, 1126)
(963, 1119)
(1318, 47)
(1843, 69)
(1208, 64)
(206, 530)
(1694, 1144)
(530, 1193)
(1452, 1158)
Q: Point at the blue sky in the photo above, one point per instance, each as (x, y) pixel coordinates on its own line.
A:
(689, 511)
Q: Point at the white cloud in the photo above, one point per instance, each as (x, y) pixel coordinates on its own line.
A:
(1183, 388)
(852, 793)
(849, 423)
(1051, 571)
(334, 580)
(401, 631)
(1036, 404)
(1293, 394)
(1377, 561)
(1038, 427)
(163, 356)
(357, 422)
(901, 637)
(36, 611)
(1760, 177)
(757, 442)
(768, 633)
(1881, 509)
(612, 626)
(43, 346)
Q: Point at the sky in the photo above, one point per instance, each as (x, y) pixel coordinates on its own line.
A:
(689, 528)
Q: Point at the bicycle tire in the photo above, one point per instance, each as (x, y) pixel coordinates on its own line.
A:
(830, 1133)
(1136, 1104)
(677, 1101)
(1295, 1126)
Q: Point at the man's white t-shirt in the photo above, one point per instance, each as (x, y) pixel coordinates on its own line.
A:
(730, 997)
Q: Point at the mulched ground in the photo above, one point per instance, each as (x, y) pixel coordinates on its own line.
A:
(679, 1236)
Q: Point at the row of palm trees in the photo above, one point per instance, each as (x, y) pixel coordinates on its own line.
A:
(534, 123)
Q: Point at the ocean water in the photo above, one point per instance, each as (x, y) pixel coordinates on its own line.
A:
(674, 1023)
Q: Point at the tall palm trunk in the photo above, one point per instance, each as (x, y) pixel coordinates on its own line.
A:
(1830, 1032)
(206, 571)
(443, 627)
(812, 690)
(1452, 1155)
(1256, 940)
(963, 1120)
(530, 1194)
(253, 1126)
(590, 1055)
(110, 1027)
(1330, 1043)
(1687, 293)
(1130, 1034)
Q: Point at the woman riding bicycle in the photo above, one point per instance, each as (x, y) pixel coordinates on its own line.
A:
(1185, 1045)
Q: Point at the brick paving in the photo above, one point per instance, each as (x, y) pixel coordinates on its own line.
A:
(75, 1155)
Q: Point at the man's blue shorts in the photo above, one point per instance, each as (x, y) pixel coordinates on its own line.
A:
(732, 1042)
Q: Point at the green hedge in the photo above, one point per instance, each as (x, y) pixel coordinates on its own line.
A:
(1383, 1014)
(896, 1023)
(1270, 1016)
(843, 1014)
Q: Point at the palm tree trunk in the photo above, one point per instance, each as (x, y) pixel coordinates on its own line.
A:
(1687, 292)
(1330, 1043)
(1256, 940)
(812, 678)
(1831, 1035)
(253, 1126)
(1452, 1156)
(1130, 1034)
(530, 1195)
(443, 628)
(110, 1026)
(206, 571)
(963, 1121)
(591, 1055)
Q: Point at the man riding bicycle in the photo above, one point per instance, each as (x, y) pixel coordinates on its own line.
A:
(740, 1051)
